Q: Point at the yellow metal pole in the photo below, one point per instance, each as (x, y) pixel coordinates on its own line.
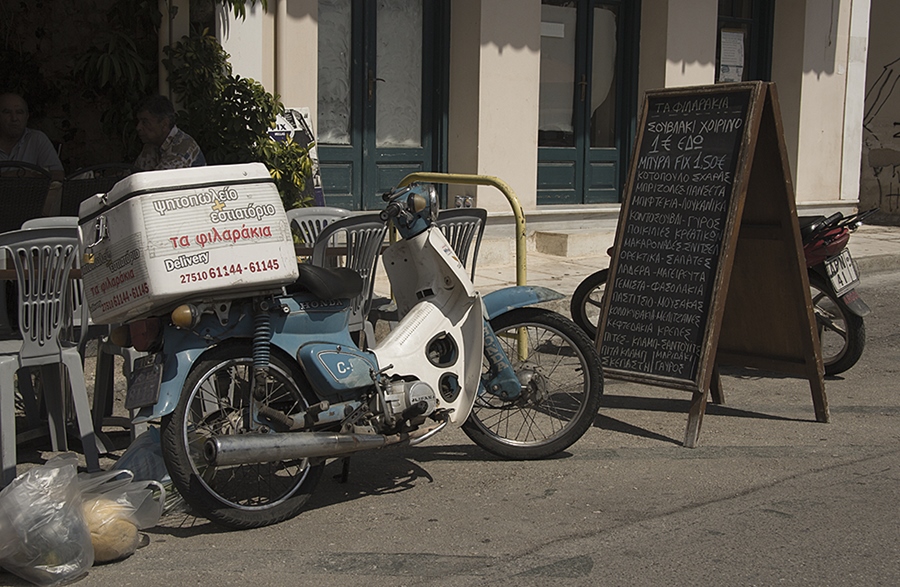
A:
(489, 180)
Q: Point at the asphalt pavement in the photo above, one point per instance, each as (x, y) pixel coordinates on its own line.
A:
(768, 497)
(875, 249)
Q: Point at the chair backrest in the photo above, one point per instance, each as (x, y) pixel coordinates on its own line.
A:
(464, 227)
(356, 243)
(309, 222)
(43, 258)
(23, 191)
(77, 329)
(88, 181)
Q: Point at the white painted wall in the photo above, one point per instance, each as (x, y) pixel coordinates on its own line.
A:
(494, 82)
(818, 53)
(816, 66)
(249, 43)
(854, 98)
(296, 50)
(820, 144)
(691, 42)
(678, 44)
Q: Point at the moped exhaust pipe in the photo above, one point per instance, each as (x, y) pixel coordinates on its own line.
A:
(243, 449)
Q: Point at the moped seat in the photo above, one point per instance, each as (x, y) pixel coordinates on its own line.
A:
(809, 225)
(327, 283)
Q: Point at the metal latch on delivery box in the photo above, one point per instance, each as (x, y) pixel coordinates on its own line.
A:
(102, 232)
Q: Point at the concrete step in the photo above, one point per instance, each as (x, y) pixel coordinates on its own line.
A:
(568, 244)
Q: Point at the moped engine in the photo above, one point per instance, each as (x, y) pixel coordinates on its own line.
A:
(408, 400)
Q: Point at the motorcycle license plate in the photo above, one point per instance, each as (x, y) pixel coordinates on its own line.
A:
(841, 270)
(143, 385)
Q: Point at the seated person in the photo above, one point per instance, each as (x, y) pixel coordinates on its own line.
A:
(20, 143)
(165, 145)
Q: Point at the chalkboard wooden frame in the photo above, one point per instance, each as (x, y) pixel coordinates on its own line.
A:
(700, 155)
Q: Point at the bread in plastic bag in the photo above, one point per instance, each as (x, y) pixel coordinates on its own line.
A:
(115, 508)
(44, 537)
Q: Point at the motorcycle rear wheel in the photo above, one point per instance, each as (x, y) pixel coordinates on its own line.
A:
(214, 400)
(842, 334)
(562, 388)
(587, 302)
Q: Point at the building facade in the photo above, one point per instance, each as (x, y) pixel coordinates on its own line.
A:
(545, 94)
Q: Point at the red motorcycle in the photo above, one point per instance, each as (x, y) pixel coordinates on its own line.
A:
(833, 278)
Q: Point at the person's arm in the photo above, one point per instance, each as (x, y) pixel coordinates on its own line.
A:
(45, 153)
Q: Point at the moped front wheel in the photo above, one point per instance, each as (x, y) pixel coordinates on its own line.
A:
(215, 400)
(562, 385)
(842, 334)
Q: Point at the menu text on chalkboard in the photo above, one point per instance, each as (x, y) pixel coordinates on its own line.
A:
(670, 237)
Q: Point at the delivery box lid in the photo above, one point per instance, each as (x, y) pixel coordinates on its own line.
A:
(165, 180)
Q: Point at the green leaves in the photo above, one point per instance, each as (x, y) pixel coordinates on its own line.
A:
(229, 116)
(240, 6)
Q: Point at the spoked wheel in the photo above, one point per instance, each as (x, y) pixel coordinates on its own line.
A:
(562, 384)
(216, 400)
(587, 301)
(842, 334)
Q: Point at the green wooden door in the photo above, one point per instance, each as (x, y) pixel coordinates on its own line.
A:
(381, 114)
(587, 89)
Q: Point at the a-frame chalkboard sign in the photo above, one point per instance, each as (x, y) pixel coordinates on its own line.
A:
(708, 267)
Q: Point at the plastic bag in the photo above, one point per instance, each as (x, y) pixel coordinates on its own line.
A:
(115, 508)
(143, 457)
(44, 537)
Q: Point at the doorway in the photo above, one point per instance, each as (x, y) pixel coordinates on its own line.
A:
(586, 99)
(382, 74)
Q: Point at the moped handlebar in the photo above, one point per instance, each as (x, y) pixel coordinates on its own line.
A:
(392, 210)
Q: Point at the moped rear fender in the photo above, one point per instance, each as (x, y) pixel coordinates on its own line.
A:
(518, 296)
(183, 348)
(176, 367)
(854, 302)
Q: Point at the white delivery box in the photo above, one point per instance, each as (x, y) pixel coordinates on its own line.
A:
(160, 238)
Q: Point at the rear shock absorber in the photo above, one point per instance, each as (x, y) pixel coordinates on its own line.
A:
(262, 334)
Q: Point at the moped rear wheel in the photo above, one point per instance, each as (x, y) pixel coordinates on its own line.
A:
(587, 300)
(562, 385)
(842, 334)
(215, 400)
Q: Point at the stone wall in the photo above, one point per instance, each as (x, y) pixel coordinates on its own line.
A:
(880, 181)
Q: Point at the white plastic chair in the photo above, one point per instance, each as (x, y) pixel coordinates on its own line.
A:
(86, 330)
(43, 258)
(309, 222)
(463, 228)
(353, 242)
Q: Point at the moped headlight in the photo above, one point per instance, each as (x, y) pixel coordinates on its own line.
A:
(424, 202)
(433, 202)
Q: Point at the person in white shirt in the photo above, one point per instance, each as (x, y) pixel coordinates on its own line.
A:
(20, 143)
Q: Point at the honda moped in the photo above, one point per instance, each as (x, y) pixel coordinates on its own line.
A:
(255, 394)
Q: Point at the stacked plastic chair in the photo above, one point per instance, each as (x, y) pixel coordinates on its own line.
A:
(43, 259)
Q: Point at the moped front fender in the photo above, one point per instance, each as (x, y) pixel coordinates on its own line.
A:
(518, 296)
